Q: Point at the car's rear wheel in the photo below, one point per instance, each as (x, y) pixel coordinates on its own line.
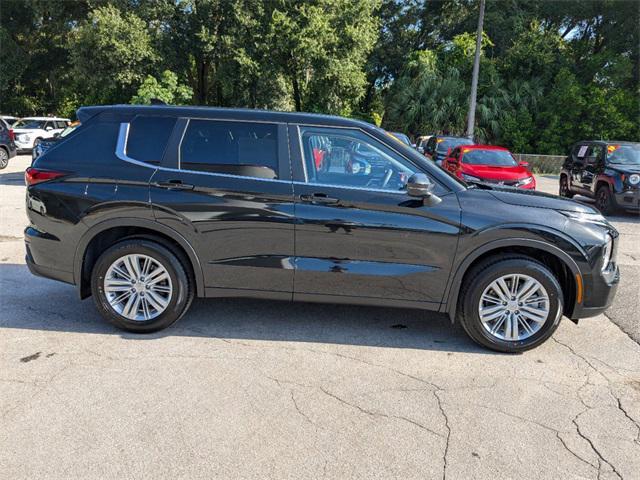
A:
(511, 303)
(4, 158)
(564, 188)
(141, 286)
(605, 201)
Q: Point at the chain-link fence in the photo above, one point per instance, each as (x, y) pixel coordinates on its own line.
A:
(542, 163)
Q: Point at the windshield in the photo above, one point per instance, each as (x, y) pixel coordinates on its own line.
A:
(496, 158)
(68, 130)
(402, 137)
(624, 154)
(444, 144)
(29, 124)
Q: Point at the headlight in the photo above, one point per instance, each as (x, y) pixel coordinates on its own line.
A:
(606, 253)
(584, 216)
(634, 179)
(525, 181)
(470, 178)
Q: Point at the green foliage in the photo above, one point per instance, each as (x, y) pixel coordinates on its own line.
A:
(110, 54)
(167, 89)
(551, 72)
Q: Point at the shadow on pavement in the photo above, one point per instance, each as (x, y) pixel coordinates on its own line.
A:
(34, 303)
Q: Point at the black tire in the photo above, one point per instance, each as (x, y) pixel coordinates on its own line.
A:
(605, 201)
(483, 275)
(4, 158)
(180, 299)
(564, 188)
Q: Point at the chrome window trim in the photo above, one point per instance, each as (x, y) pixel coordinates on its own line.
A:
(121, 153)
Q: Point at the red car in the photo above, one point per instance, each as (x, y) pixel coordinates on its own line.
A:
(489, 164)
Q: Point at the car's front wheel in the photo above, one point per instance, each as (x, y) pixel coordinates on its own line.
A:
(511, 303)
(141, 286)
(564, 188)
(605, 201)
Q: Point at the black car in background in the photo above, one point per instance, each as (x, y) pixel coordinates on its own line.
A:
(438, 146)
(607, 171)
(147, 207)
(7, 146)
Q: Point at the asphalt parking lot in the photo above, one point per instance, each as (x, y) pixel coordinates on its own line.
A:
(257, 389)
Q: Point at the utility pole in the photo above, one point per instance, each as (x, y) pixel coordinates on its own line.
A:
(471, 118)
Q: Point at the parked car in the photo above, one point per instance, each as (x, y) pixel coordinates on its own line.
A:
(439, 146)
(9, 120)
(403, 138)
(30, 131)
(609, 172)
(7, 145)
(46, 144)
(421, 143)
(489, 164)
(147, 207)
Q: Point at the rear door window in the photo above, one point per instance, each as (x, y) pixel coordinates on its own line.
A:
(248, 149)
(148, 137)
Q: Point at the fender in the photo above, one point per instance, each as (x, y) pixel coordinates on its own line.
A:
(454, 288)
(143, 223)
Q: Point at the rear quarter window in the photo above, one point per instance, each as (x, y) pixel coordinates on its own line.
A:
(148, 137)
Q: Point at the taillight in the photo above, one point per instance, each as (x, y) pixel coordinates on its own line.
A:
(12, 135)
(35, 175)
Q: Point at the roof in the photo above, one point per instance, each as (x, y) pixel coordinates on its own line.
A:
(84, 113)
(484, 147)
(45, 118)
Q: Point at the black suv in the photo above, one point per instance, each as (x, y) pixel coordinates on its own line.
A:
(439, 146)
(146, 207)
(606, 171)
(7, 145)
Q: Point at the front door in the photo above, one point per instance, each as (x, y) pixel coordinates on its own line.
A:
(228, 188)
(358, 234)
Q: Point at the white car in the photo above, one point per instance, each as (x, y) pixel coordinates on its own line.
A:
(29, 131)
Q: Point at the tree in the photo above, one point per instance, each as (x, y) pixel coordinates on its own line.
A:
(167, 89)
(321, 47)
(111, 53)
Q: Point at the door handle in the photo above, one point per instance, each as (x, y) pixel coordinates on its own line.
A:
(318, 198)
(175, 185)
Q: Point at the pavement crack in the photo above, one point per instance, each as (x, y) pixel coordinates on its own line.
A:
(564, 444)
(297, 407)
(626, 414)
(594, 448)
(448, 437)
(377, 414)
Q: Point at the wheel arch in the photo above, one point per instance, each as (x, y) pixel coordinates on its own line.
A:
(560, 262)
(99, 237)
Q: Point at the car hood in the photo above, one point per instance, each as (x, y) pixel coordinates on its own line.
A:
(496, 173)
(618, 167)
(532, 198)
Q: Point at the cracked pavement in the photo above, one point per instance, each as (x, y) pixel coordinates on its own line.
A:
(257, 389)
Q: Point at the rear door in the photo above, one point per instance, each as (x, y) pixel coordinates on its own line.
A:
(578, 155)
(226, 184)
(358, 234)
(593, 165)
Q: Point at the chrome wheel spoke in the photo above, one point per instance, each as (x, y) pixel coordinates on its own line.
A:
(514, 307)
(138, 287)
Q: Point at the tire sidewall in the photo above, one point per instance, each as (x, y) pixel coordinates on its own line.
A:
(506, 267)
(177, 304)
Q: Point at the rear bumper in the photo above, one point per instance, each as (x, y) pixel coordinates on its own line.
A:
(40, 256)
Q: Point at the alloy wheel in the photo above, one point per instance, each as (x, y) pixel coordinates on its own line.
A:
(4, 158)
(138, 287)
(514, 307)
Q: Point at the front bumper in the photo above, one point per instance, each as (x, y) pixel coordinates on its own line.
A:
(629, 199)
(599, 292)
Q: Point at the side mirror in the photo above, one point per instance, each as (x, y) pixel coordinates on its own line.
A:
(421, 150)
(48, 129)
(419, 185)
(452, 161)
(523, 163)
